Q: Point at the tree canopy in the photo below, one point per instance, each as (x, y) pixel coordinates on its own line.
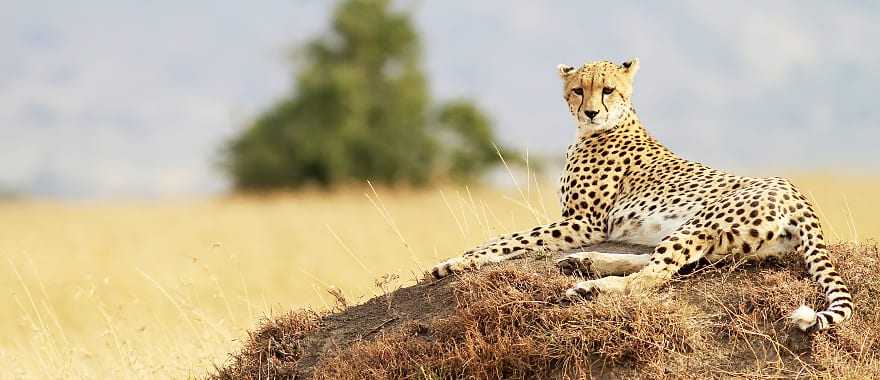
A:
(361, 110)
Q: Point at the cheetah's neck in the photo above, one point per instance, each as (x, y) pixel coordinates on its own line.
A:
(627, 135)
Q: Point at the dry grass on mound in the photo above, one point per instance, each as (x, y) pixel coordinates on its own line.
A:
(503, 323)
(506, 326)
(274, 349)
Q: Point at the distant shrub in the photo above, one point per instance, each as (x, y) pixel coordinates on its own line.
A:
(361, 110)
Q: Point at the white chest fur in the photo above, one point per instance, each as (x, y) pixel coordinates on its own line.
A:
(646, 230)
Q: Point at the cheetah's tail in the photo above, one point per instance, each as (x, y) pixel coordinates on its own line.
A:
(840, 303)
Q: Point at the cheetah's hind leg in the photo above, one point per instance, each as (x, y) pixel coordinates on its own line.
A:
(602, 264)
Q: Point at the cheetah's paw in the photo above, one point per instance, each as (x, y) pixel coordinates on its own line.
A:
(455, 265)
(584, 290)
(575, 263)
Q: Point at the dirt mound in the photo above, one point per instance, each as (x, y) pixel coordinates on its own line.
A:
(504, 322)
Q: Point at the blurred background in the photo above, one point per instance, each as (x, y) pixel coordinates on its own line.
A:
(171, 171)
(137, 98)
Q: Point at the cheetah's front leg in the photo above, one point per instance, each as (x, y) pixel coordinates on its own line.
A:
(568, 234)
(472, 259)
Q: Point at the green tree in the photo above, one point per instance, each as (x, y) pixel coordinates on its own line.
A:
(467, 143)
(360, 110)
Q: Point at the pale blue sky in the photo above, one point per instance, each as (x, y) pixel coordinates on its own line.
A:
(131, 98)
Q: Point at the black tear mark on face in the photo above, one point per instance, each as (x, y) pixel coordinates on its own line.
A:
(627, 64)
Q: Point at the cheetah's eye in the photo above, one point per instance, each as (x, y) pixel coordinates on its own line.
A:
(607, 90)
(578, 91)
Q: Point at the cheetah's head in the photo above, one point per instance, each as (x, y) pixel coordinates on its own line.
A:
(598, 93)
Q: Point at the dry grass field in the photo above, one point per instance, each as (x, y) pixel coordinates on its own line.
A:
(167, 289)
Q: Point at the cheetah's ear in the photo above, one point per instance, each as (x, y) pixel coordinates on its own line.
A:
(630, 67)
(564, 70)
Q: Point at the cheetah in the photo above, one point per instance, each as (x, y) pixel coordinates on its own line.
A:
(620, 184)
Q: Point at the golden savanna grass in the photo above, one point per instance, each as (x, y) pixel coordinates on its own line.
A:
(167, 289)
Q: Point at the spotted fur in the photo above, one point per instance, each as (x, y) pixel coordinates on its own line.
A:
(620, 184)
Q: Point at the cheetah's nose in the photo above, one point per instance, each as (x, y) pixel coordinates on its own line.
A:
(591, 114)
